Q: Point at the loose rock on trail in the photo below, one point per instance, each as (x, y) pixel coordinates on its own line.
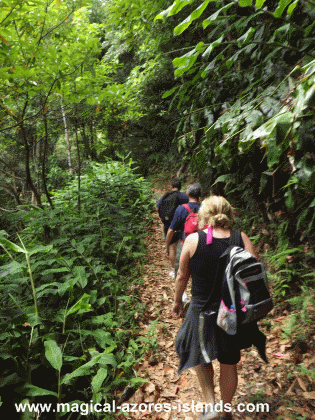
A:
(257, 382)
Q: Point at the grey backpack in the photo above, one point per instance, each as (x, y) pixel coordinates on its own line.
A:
(245, 295)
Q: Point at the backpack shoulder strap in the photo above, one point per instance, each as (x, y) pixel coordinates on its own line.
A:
(236, 238)
(187, 207)
(168, 193)
(165, 195)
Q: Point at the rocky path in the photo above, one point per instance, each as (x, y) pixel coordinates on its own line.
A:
(289, 395)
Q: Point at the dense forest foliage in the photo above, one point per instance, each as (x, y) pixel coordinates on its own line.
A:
(96, 94)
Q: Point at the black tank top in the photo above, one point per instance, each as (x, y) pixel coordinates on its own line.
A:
(203, 267)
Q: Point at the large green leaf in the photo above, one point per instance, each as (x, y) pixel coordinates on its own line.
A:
(182, 61)
(10, 245)
(103, 360)
(195, 15)
(274, 151)
(212, 46)
(305, 96)
(35, 391)
(281, 6)
(223, 178)
(173, 9)
(11, 268)
(80, 275)
(81, 305)
(292, 7)
(214, 16)
(169, 92)
(245, 3)
(245, 37)
(53, 354)
(107, 359)
(82, 370)
(186, 61)
(40, 248)
(259, 4)
(98, 379)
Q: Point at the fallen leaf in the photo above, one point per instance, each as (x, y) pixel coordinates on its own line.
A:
(184, 381)
(279, 354)
(290, 390)
(301, 383)
(169, 395)
(302, 411)
(309, 395)
(138, 396)
(308, 362)
(280, 317)
(150, 388)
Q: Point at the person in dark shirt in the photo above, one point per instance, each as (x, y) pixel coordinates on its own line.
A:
(200, 260)
(177, 225)
(182, 199)
(193, 192)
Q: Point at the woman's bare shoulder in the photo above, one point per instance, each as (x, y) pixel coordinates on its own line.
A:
(192, 238)
(191, 243)
(248, 245)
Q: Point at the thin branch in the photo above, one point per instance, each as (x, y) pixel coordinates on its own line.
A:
(55, 27)
(43, 25)
(9, 211)
(298, 27)
(9, 13)
(180, 49)
(46, 98)
(274, 44)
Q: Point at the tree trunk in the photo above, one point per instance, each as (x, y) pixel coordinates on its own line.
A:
(93, 151)
(67, 138)
(87, 149)
(36, 159)
(27, 167)
(79, 164)
(44, 164)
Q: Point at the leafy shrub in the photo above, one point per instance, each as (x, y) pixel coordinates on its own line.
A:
(67, 320)
(303, 317)
(284, 270)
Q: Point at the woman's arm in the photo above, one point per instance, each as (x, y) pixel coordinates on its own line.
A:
(183, 272)
(248, 246)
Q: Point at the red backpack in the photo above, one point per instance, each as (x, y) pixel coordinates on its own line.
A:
(191, 221)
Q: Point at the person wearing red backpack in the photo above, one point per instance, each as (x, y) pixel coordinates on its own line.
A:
(185, 216)
(185, 221)
(166, 207)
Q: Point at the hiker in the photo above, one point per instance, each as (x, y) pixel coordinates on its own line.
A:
(193, 192)
(166, 207)
(200, 261)
(178, 225)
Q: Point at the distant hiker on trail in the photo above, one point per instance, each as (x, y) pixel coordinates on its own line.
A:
(178, 223)
(199, 258)
(166, 207)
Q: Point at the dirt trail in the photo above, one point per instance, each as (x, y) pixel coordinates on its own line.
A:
(258, 382)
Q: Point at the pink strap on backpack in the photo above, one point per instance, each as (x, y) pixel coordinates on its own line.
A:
(209, 234)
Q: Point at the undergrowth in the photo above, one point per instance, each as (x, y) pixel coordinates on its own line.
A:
(69, 294)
